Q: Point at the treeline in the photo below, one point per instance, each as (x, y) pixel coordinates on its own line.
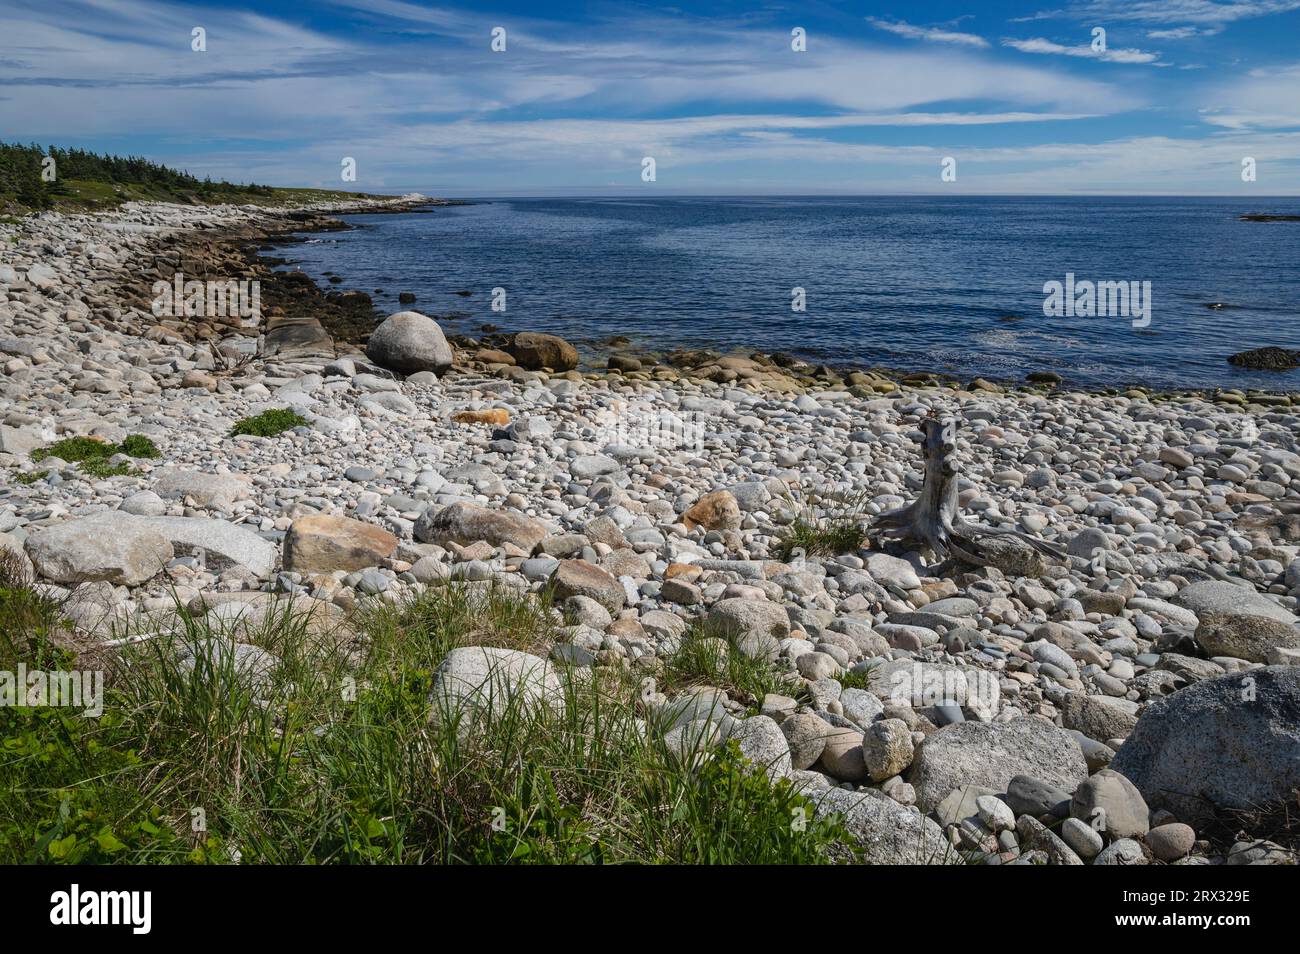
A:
(21, 167)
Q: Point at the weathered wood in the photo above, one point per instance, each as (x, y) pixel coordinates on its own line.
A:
(932, 522)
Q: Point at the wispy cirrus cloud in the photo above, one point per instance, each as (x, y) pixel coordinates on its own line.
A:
(934, 34)
(1182, 33)
(1049, 47)
(416, 95)
(1200, 12)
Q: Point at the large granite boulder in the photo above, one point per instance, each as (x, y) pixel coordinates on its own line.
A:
(323, 544)
(1226, 743)
(991, 754)
(409, 342)
(467, 523)
(888, 833)
(114, 547)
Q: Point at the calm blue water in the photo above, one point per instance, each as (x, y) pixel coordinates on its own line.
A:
(916, 283)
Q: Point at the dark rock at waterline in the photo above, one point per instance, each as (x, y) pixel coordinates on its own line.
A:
(622, 362)
(406, 298)
(1267, 359)
(463, 294)
(534, 350)
(1043, 377)
(685, 358)
(352, 300)
(1265, 217)
(335, 280)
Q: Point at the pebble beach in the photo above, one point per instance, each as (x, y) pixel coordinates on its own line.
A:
(1134, 702)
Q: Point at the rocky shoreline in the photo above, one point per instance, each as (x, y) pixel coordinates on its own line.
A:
(348, 316)
(1136, 701)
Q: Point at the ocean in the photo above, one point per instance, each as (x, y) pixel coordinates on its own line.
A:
(910, 283)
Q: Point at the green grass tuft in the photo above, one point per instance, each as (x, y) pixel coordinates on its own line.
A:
(709, 658)
(270, 423)
(826, 525)
(76, 449)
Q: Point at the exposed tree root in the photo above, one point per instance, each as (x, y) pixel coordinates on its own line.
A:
(931, 522)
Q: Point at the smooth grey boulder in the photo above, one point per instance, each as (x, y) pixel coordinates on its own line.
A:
(1232, 742)
(1251, 638)
(991, 754)
(145, 503)
(1228, 599)
(1099, 717)
(222, 544)
(487, 682)
(762, 742)
(218, 491)
(888, 833)
(755, 625)
(806, 736)
(1110, 804)
(923, 684)
(115, 547)
(409, 342)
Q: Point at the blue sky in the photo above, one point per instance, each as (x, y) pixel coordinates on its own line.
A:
(1014, 92)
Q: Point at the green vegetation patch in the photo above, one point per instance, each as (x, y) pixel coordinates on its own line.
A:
(270, 423)
(94, 456)
(330, 748)
(88, 181)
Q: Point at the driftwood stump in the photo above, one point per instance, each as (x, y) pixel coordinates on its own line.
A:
(931, 522)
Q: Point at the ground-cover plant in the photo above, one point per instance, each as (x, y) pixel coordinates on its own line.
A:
(94, 457)
(270, 423)
(856, 678)
(294, 736)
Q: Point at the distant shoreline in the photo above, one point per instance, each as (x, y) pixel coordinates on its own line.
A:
(236, 249)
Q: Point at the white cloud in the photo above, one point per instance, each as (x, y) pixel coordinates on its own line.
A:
(1040, 45)
(1181, 33)
(935, 34)
(1201, 12)
(426, 105)
(1264, 99)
